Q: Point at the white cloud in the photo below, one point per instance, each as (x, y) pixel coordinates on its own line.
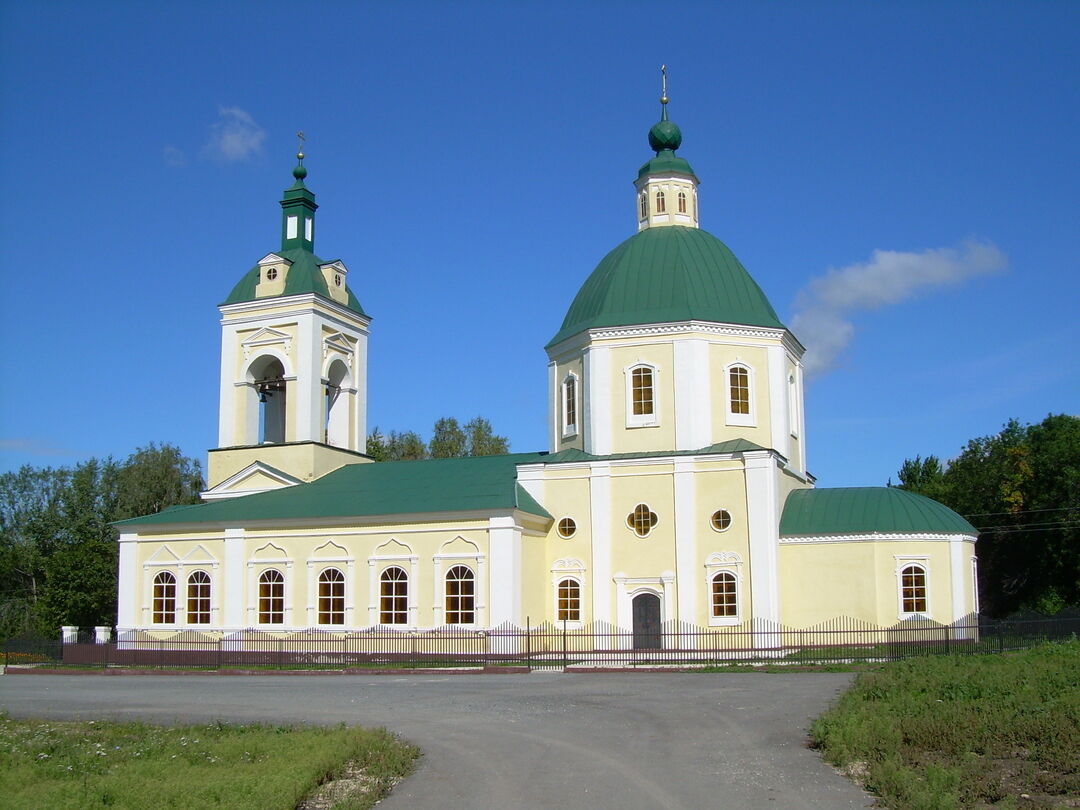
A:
(235, 136)
(174, 156)
(824, 308)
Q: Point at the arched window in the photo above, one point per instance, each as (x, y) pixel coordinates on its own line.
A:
(569, 405)
(336, 407)
(642, 399)
(739, 382)
(198, 598)
(725, 599)
(331, 597)
(460, 595)
(569, 601)
(913, 589)
(682, 202)
(642, 520)
(661, 206)
(271, 597)
(267, 376)
(394, 596)
(164, 598)
(644, 205)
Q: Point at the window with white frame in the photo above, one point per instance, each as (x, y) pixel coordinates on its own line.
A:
(198, 598)
(394, 596)
(724, 595)
(740, 399)
(460, 595)
(644, 205)
(331, 597)
(720, 520)
(661, 205)
(642, 520)
(641, 404)
(793, 405)
(682, 202)
(913, 588)
(164, 598)
(567, 528)
(271, 597)
(569, 405)
(569, 607)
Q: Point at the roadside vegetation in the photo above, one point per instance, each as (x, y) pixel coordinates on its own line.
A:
(977, 731)
(55, 764)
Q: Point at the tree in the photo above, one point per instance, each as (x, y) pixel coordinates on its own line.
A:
(448, 440)
(482, 440)
(1021, 488)
(156, 477)
(407, 446)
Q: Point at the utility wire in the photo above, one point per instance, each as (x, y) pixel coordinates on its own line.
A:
(1024, 511)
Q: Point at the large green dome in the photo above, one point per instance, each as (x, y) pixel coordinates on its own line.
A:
(660, 275)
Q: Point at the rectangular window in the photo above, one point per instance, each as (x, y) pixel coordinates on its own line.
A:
(641, 388)
(291, 226)
(569, 601)
(309, 226)
(570, 406)
(913, 589)
(740, 391)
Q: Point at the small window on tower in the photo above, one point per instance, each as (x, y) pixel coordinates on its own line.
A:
(644, 205)
(271, 274)
(682, 202)
(337, 279)
(661, 207)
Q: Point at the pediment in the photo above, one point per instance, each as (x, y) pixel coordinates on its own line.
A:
(330, 551)
(269, 551)
(267, 336)
(459, 545)
(199, 554)
(393, 548)
(568, 564)
(163, 556)
(256, 477)
(723, 558)
(273, 258)
(337, 264)
(340, 344)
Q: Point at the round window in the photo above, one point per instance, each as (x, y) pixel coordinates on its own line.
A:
(721, 520)
(271, 274)
(642, 520)
(567, 528)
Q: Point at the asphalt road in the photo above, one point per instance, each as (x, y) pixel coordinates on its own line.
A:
(544, 740)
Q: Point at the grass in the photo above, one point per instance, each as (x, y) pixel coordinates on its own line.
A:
(132, 765)
(973, 731)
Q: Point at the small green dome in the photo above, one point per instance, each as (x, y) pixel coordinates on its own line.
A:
(660, 275)
(665, 135)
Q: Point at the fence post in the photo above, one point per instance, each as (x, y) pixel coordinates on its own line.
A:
(528, 643)
(564, 653)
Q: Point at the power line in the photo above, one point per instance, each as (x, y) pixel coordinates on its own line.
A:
(1024, 511)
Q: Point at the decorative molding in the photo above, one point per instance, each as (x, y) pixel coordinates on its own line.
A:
(266, 336)
(873, 537)
(721, 558)
(568, 565)
(341, 555)
(339, 343)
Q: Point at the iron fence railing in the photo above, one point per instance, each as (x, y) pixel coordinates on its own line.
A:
(544, 646)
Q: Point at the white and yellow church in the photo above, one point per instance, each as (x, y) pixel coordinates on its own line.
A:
(674, 491)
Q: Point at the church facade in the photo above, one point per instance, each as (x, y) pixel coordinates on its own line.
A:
(674, 491)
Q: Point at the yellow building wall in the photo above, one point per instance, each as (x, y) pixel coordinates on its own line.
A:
(721, 356)
(661, 435)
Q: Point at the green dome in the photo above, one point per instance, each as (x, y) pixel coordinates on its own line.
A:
(304, 277)
(665, 135)
(866, 510)
(671, 273)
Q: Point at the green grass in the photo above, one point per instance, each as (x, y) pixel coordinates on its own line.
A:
(131, 765)
(963, 731)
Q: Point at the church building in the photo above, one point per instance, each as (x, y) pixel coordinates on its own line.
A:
(674, 491)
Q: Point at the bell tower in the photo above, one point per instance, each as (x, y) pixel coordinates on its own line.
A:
(293, 389)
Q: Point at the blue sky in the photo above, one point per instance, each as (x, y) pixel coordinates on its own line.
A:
(902, 179)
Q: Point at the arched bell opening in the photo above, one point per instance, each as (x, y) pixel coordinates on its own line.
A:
(267, 401)
(336, 408)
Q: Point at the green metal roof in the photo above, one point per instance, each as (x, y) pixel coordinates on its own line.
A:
(666, 162)
(573, 454)
(304, 276)
(482, 483)
(671, 273)
(865, 510)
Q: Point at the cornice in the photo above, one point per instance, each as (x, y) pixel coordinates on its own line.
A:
(877, 537)
(575, 343)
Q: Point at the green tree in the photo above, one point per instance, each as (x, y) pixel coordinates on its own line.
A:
(156, 477)
(1021, 488)
(407, 446)
(376, 445)
(482, 441)
(448, 439)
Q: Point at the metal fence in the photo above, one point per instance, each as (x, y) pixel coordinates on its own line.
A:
(545, 646)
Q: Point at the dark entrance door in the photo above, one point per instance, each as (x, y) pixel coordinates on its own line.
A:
(646, 622)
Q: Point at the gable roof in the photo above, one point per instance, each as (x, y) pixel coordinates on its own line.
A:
(867, 510)
(482, 483)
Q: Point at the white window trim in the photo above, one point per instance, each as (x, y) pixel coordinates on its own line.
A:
(178, 582)
(313, 591)
(922, 562)
(443, 563)
(742, 419)
(408, 565)
(256, 567)
(718, 563)
(632, 530)
(213, 592)
(562, 536)
(568, 568)
(568, 429)
(793, 405)
(731, 520)
(646, 419)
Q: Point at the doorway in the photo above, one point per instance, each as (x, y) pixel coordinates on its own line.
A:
(646, 607)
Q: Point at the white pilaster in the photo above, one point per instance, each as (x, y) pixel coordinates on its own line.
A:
(763, 517)
(128, 582)
(959, 568)
(600, 511)
(309, 389)
(232, 579)
(693, 395)
(504, 551)
(686, 540)
(554, 406)
(779, 425)
(228, 391)
(598, 405)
